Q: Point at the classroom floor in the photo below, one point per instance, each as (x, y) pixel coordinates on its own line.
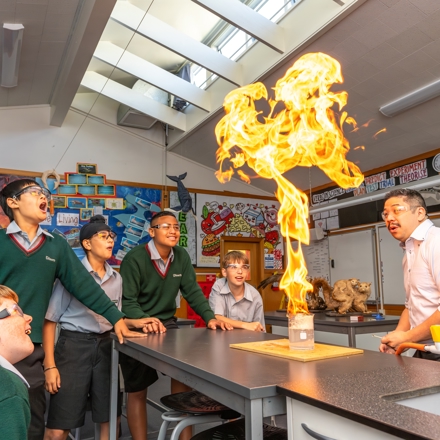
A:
(160, 388)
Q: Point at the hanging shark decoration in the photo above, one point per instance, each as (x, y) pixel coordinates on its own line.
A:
(183, 195)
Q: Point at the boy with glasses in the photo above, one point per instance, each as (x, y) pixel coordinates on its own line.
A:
(232, 299)
(406, 218)
(31, 259)
(80, 364)
(15, 345)
(153, 274)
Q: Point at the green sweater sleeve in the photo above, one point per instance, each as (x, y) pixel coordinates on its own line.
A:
(131, 285)
(75, 278)
(191, 291)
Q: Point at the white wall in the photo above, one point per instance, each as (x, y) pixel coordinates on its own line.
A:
(28, 142)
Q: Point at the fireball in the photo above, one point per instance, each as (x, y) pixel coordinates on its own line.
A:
(306, 132)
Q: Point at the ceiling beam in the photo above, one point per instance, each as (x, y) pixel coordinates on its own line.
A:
(107, 87)
(165, 35)
(248, 20)
(152, 74)
(90, 21)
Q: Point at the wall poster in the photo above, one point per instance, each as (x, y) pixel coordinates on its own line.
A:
(241, 217)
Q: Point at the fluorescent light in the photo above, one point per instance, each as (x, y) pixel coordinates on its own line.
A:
(377, 195)
(406, 102)
(11, 49)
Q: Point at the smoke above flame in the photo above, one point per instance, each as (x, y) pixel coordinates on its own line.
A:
(306, 132)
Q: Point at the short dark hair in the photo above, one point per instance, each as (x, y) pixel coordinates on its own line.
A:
(233, 256)
(10, 190)
(410, 196)
(161, 214)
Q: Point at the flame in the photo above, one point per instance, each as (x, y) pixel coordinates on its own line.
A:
(383, 130)
(305, 133)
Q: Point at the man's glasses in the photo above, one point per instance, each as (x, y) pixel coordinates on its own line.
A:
(396, 211)
(167, 226)
(104, 235)
(10, 311)
(235, 267)
(35, 191)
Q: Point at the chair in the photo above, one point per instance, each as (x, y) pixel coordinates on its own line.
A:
(191, 408)
(236, 431)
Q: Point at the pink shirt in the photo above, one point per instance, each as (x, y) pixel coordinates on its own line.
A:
(421, 272)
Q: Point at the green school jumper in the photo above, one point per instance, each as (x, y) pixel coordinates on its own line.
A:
(15, 413)
(32, 275)
(148, 293)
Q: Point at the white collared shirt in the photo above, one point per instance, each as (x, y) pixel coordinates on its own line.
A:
(247, 309)
(421, 273)
(8, 366)
(154, 254)
(23, 238)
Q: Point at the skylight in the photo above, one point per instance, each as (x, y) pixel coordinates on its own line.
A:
(233, 43)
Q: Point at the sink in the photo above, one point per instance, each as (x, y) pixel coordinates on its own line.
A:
(423, 399)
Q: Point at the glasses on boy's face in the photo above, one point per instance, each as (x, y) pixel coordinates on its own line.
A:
(167, 226)
(104, 236)
(396, 210)
(35, 191)
(10, 311)
(235, 267)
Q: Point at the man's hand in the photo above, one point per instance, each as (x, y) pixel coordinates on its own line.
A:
(122, 332)
(53, 380)
(394, 339)
(254, 326)
(215, 323)
(384, 348)
(148, 325)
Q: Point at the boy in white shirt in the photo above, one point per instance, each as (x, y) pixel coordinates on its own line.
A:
(232, 299)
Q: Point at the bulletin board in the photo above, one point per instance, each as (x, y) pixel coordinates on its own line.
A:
(128, 211)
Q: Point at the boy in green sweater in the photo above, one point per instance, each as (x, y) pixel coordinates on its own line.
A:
(15, 345)
(152, 276)
(31, 259)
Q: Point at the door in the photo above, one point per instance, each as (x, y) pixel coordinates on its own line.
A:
(253, 248)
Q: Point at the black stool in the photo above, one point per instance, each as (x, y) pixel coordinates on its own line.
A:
(236, 431)
(191, 408)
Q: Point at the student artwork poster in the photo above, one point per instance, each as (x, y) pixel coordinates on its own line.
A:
(239, 217)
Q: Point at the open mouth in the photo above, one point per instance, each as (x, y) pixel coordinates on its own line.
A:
(43, 206)
(28, 331)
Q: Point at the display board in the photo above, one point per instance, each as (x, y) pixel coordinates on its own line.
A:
(241, 217)
(187, 223)
(128, 211)
(353, 255)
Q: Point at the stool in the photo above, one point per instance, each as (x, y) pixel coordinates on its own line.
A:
(191, 408)
(236, 431)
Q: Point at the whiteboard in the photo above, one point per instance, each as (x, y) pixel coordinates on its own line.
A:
(391, 255)
(353, 255)
(317, 260)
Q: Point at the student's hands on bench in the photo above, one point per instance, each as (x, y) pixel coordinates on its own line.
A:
(148, 325)
(122, 332)
(215, 323)
(254, 326)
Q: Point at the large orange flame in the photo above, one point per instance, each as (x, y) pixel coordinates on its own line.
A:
(307, 132)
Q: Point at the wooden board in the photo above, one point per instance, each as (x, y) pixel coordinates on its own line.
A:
(280, 348)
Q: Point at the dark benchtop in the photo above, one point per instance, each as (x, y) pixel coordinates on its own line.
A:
(352, 388)
(280, 318)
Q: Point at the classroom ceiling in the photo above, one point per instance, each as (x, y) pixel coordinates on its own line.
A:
(387, 48)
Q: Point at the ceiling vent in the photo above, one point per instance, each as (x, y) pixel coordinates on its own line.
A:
(132, 118)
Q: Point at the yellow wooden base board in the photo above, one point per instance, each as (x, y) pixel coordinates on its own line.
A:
(280, 348)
